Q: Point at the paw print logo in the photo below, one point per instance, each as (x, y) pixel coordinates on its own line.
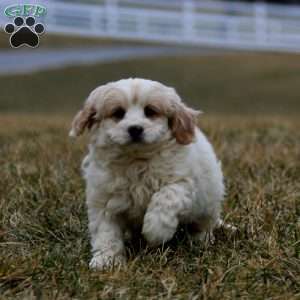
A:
(24, 32)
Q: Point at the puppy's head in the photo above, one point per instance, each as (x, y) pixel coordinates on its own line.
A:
(135, 111)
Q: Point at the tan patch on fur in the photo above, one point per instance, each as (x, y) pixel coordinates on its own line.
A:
(160, 102)
(160, 107)
(135, 98)
(100, 104)
(183, 124)
(85, 118)
(183, 119)
(113, 99)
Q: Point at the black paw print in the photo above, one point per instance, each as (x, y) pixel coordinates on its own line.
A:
(24, 34)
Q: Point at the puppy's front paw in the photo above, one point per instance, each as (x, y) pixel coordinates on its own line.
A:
(101, 261)
(158, 229)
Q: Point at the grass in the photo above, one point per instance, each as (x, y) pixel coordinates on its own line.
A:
(53, 41)
(56, 41)
(233, 83)
(44, 245)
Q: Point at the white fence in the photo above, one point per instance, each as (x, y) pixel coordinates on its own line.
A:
(234, 25)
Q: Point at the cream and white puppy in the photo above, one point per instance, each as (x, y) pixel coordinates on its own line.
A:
(149, 168)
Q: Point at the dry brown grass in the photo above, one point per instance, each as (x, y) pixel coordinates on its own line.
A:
(44, 245)
(49, 40)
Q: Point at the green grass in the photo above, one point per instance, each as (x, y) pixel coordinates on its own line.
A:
(56, 41)
(261, 84)
(44, 245)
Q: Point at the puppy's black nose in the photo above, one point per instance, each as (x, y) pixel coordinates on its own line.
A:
(136, 132)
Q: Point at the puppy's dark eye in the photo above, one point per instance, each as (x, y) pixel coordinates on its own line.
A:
(150, 112)
(119, 113)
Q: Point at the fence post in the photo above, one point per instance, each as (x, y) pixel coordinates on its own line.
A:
(188, 19)
(111, 7)
(261, 33)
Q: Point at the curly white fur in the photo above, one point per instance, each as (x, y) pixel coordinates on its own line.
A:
(171, 177)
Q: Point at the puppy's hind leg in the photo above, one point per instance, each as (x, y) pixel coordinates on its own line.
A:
(204, 231)
(201, 231)
(228, 227)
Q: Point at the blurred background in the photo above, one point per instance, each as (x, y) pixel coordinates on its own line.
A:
(222, 56)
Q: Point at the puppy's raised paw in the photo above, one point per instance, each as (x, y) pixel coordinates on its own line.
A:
(156, 231)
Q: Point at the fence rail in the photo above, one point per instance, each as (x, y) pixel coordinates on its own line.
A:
(236, 25)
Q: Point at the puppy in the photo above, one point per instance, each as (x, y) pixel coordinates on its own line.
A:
(149, 168)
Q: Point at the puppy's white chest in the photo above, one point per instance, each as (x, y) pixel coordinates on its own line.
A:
(135, 184)
(126, 186)
(141, 180)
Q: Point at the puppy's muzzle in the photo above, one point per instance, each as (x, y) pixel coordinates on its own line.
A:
(136, 133)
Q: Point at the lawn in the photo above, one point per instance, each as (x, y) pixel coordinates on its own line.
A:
(55, 41)
(44, 240)
(252, 118)
(233, 83)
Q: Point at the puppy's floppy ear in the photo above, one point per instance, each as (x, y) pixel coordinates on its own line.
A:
(85, 118)
(183, 123)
